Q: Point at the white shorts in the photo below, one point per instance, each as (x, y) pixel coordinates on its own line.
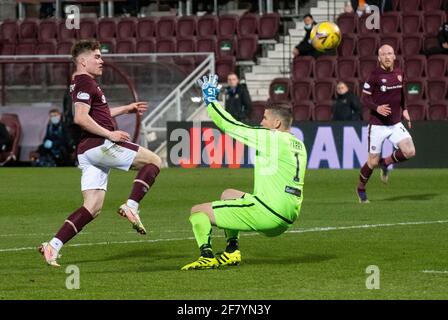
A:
(96, 163)
(377, 135)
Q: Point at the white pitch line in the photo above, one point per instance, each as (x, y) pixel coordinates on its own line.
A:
(435, 271)
(319, 229)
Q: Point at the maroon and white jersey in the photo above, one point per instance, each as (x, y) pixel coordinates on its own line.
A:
(385, 87)
(85, 89)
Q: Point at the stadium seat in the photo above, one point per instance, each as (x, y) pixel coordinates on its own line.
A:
(25, 48)
(28, 31)
(346, 67)
(146, 28)
(205, 44)
(65, 34)
(409, 5)
(41, 71)
(414, 89)
(12, 123)
(248, 24)
(279, 90)
(411, 22)
(186, 44)
(125, 46)
(108, 46)
(46, 48)
(126, 28)
(257, 112)
(390, 22)
(301, 89)
(247, 47)
(392, 39)
(414, 66)
(436, 88)
(323, 111)
(367, 44)
(268, 25)
(324, 67)
(412, 44)
(186, 26)
(227, 25)
(399, 62)
(347, 22)
(64, 47)
(146, 46)
(417, 110)
(395, 4)
(302, 110)
(107, 29)
(48, 30)
(438, 110)
(324, 89)
(437, 66)
(166, 45)
(302, 67)
(366, 66)
(207, 25)
(348, 45)
(87, 29)
(431, 5)
(166, 27)
(226, 46)
(432, 21)
(7, 49)
(224, 65)
(362, 25)
(9, 31)
(430, 41)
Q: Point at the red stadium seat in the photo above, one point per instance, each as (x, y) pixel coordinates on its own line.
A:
(9, 31)
(126, 28)
(107, 29)
(48, 30)
(362, 25)
(431, 5)
(302, 67)
(347, 22)
(12, 123)
(414, 89)
(146, 46)
(224, 65)
(348, 45)
(28, 31)
(390, 22)
(205, 44)
(346, 67)
(430, 41)
(366, 66)
(324, 89)
(46, 48)
(410, 5)
(227, 25)
(257, 112)
(146, 28)
(395, 4)
(186, 44)
(8, 49)
(301, 89)
(87, 29)
(279, 90)
(324, 67)
(438, 110)
(25, 48)
(436, 88)
(248, 24)
(40, 70)
(367, 44)
(226, 46)
(247, 47)
(392, 39)
(437, 66)
(166, 45)
(186, 26)
(399, 62)
(323, 111)
(411, 22)
(268, 25)
(303, 110)
(417, 110)
(64, 47)
(23, 72)
(412, 44)
(166, 27)
(207, 25)
(433, 21)
(414, 66)
(65, 34)
(126, 46)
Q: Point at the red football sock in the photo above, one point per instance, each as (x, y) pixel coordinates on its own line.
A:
(364, 176)
(74, 224)
(144, 180)
(395, 157)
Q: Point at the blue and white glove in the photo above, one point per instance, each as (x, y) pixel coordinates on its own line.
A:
(210, 88)
(48, 144)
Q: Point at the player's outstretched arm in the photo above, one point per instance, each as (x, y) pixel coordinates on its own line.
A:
(134, 107)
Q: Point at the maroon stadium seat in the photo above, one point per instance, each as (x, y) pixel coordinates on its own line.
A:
(46, 48)
(409, 5)
(366, 66)
(392, 39)
(146, 46)
(411, 22)
(438, 110)
(12, 123)
(207, 25)
(432, 21)
(302, 110)
(279, 90)
(390, 22)
(126, 46)
(431, 5)
(414, 89)
(226, 46)
(25, 48)
(301, 89)
(257, 112)
(7, 49)
(323, 111)
(107, 29)
(399, 62)
(48, 30)
(437, 65)
(324, 89)
(367, 44)
(436, 88)
(247, 47)
(302, 67)
(87, 29)
(23, 72)
(166, 27)
(146, 28)
(224, 65)
(65, 34)
(347, 22)
(268, 25)
(324, 67)
(28, 31)
(64, 47)
(348, 45)
(227, 25)
(395, 4)
(346, 67)
(248, 24)
(186, 26)
(414, 66)
(39, 69)
(412, 44)
(9, 31)
(417, 110)
(186, 44)
(205, 44)
(430, 41)
(126, 28)
(362, 26)
(166, 45)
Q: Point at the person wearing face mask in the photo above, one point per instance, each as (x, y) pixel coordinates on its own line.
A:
(346, 107)
(304, 48)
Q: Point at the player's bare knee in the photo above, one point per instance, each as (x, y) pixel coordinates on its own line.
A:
(155, 160)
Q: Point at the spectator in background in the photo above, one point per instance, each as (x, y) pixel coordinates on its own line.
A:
(442, 38)
(304, 48)
(346, 106)
(361, 6)
(56, 148)
(238, 102)
(5, 139)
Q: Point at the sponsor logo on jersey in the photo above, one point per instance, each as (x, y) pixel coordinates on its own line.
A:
(83, 95)
(385, 88)
(366, 85)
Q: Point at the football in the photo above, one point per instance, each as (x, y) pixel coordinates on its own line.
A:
(325, 36)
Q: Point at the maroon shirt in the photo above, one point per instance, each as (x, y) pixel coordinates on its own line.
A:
(384, 87)
(86, 90)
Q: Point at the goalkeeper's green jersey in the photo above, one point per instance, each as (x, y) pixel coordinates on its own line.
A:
(280, 162)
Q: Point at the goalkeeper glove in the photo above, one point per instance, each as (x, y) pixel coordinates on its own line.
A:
(210, 88)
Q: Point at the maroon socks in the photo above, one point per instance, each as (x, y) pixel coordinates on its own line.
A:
(364, 176)
(144, 180)
(395, 157)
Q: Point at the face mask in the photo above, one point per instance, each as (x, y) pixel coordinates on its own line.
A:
(308, 26)
(55, 119)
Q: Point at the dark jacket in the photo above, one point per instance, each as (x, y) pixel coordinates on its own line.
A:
(5, 139)
(347, 107)
(305, 48)
(61, 147)
(442, 36)
(238, 102)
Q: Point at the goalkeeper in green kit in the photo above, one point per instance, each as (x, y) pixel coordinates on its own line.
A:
(272, 208)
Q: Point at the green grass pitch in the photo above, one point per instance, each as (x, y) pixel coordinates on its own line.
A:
(403, 231)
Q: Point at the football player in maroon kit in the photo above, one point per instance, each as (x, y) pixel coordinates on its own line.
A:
(102, 147)
(383, 95)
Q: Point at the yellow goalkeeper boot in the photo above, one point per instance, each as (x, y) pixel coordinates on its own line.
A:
(229, 258)
(202, 263)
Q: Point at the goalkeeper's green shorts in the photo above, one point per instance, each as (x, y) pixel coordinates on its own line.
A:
(249, 213)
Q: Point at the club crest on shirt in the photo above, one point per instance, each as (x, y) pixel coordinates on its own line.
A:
(400, 78)
(383, 80)
(383, 88)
